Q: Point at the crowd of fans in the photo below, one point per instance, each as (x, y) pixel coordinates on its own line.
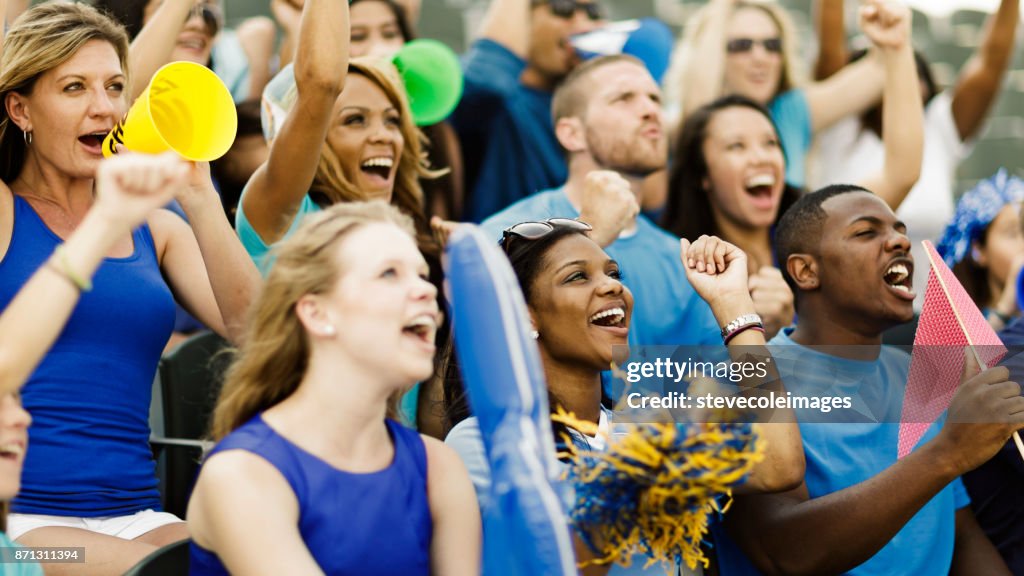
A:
(629, 215)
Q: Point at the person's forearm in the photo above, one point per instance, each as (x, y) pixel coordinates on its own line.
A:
(902, 125)
(973, 552)
(996, 46)
(152, 48)
(832, 54)
(233, 276)
(861, 519)
(35, 318)
(705, 67)
(508, 23)
(321, 59)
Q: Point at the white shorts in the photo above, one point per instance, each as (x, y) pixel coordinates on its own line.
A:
(127, 527)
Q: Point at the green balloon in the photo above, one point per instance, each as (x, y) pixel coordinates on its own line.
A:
(432, 76)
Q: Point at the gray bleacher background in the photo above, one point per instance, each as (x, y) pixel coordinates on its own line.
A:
(947, 41)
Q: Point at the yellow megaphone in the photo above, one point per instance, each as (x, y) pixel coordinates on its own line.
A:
(186, 108)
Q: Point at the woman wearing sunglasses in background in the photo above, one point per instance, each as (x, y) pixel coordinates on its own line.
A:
(165, 31)
(580, 311)
(728, 177)
(749, 48)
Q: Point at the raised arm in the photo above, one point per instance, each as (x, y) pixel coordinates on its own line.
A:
(852, 90)
(152, 47)
(902, 111)
(782, 533)
(205, 264)
(128, 188)
(456, 546)
(831, 27)
(702, 57)
(276, 190)
(982, 76)
(717, 270)
(508, 23)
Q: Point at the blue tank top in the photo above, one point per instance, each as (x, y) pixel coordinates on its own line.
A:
(89, 451)
(367, 524)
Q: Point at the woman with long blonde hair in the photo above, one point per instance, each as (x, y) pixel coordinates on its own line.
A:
(89, 480)
(345, 323)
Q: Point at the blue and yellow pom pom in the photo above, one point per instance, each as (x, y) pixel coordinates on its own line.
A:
(653, 489)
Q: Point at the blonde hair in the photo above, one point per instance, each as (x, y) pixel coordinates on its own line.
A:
(330, 183)
(41, 39)
(273, 358)
(685, 56)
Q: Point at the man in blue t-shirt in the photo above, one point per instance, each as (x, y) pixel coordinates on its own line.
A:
(608, 119)
(859, 509)
(504, 118)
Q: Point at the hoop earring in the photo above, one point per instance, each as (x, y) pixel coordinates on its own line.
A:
(27, 135)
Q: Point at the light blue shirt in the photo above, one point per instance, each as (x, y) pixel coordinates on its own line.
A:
(666, 309)
(841, 455)
(792, 116)
(254, 245)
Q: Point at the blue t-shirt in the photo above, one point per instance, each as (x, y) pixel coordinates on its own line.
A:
(254, 245)
(508, 139)
(666, 309)
(793, 118)
(841, 455)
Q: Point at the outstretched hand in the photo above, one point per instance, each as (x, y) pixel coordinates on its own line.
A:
(130, 186)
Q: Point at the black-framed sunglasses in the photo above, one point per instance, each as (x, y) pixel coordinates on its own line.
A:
(538, 230)
(567, 8)
(740, 45)
(211, 15)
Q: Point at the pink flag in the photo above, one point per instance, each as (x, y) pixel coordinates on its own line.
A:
(949, 322)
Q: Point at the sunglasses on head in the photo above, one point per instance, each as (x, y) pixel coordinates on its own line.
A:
(538, 230)
(740, 45)
(567, 8)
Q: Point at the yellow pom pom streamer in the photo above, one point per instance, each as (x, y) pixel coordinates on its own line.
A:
(653, 489)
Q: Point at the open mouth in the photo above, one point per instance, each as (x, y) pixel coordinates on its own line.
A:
(899, 277)
(379, 167)
(423, 328)
(610, 318)
(12, 451)
(94, 140)
(760, 187)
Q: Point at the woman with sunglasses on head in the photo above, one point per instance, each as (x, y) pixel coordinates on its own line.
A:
(748, 47)
(580, 311)
(728, 179)
(89, 480)
(304, 424)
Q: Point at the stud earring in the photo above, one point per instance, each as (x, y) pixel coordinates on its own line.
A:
(329, 330)
(535, 335)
